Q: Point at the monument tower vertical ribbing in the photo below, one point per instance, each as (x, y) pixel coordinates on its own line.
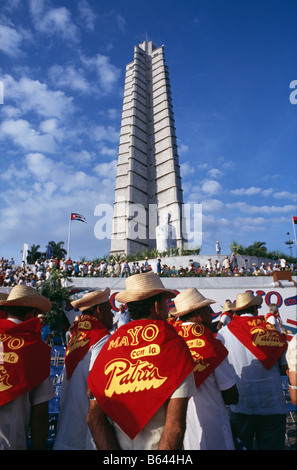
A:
(148, 183)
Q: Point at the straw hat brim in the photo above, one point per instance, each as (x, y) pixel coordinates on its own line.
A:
(227, 307)
(245, 301)
(35, 301)
(91, 298)
(143, 286)
(192, 308)
(126, 296)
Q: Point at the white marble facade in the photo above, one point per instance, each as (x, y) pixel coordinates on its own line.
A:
(148, 183)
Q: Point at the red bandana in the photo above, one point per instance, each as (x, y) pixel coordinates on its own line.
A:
(207, 351)
(137, 370)
(24, 358)
(88, 330)
(259, 337)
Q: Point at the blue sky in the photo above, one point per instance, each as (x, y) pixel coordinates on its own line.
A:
(62, 67)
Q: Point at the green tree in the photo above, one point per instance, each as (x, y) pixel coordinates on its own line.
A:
(54, 290)
(34, 254)
(236, 248)
(58, 250)
(256, 249)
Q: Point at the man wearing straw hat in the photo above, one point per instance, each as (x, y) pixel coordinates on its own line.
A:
(89, 333)
(208, 426)
(257, 354)
(143, 377)
(25, 385)
(225, 316)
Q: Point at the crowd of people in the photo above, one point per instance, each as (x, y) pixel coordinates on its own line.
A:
(161, 380)
(34, 275)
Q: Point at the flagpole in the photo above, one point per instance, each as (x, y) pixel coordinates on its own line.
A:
(294, 231)
(68, 249)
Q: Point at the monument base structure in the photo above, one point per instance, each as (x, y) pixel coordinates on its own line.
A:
(148, 182)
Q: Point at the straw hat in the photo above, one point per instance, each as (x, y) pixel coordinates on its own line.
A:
(142, 286)
(246, 300)
(226, 307)
(91, 298)
(25, 296)
(188, 301)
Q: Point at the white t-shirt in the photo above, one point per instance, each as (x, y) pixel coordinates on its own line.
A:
(149, 437)
(15, 416)
(291, 354)
(72, 430)
(260, 390)
(208, 426)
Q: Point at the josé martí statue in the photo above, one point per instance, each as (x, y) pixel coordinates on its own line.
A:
(165, 234)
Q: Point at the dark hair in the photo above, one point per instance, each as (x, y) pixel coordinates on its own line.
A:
(189, 315)
(246, 310)
(90, 310)
(19, 312)
(141, 308)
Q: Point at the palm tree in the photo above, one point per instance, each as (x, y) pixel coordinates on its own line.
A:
(257, 249)
(58, 251)
(34, 254)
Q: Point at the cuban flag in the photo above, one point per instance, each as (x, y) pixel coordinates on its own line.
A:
(75, 216)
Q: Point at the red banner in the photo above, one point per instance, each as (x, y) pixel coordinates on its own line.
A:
(259, 337)
(24, 358)
(88, 330)
(207, 351)
(137, 370)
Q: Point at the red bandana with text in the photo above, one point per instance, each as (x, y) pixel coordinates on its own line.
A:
(24, 358)
(88, 330)
(207, 351)
(137, 370)
(261, 338)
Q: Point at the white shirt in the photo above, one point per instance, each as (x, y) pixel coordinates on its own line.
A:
(120, 319)
(260, 389)
(72, 428)
(291, 354)
(149, 436)
(208, 426)
(15, 416)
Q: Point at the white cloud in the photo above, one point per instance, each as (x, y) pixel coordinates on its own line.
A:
(69, 77)
(107, 170)
(212, 205)
(107, 73)
(182, 148)
(268, 192)
(105, 133)
(23, 135)
(249, 209)
(52, 126)
(121, 22)
(211, 187)
(87, 15)
(83, 157)
(10, 41)
(186, 169)
(39, 165)
(32, 95)
(246, 191)
(215, 173)
(53, 21)
(285, 195)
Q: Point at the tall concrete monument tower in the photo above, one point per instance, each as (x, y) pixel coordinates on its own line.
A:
(148, 194)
